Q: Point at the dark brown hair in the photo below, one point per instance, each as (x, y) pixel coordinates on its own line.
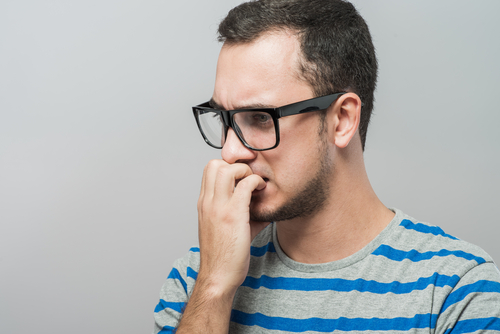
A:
(337, 49)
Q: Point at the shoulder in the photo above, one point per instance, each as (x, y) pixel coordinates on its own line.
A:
(176, 290)
(414, 251)
(428, 245)
(184, 272)
(190, 261)
(463, 280)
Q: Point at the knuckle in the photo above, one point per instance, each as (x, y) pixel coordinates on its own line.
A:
(213, 164)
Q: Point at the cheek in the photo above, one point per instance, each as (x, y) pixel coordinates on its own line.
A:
(297, 154)
(300, 136)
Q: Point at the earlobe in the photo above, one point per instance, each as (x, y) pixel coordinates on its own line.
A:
(347, 114)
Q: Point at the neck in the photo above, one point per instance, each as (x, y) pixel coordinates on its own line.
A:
(351, 218)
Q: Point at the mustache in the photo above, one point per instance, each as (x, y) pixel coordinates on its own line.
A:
(263, 172)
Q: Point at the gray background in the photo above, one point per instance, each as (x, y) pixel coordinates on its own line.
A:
(101, 160)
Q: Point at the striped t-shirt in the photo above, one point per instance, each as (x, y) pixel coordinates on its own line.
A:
(412, 277)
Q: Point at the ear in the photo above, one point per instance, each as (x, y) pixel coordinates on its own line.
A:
(346, 114)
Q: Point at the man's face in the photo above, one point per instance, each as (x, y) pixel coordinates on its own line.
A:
(264, 73)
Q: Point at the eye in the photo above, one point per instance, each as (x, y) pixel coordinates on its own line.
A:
(260, 120)
(217, 117)
(256, 120)
(261, 117)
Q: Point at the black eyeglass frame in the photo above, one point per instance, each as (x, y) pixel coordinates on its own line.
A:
(301, 107)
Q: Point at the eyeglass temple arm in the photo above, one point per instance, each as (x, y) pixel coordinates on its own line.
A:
(320, 103)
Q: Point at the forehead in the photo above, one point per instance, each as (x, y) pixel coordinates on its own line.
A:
(263, 72)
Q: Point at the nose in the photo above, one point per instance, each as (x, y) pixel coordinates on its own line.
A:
(234, 150)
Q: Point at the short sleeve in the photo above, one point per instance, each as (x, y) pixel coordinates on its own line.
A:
(473, 306)
(175, 292)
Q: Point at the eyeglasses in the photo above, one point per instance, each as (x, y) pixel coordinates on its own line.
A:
(257, 129)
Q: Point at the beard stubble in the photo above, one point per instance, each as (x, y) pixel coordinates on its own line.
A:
(307, 201)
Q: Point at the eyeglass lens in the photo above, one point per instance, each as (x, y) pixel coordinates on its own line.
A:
(256, 128)
(212, 127)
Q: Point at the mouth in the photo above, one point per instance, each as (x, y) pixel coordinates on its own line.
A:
(266, 180)
(259, 191)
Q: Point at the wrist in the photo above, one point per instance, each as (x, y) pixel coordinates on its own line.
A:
(208, 309)
(214, 289)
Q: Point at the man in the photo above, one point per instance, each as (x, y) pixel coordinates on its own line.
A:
(290, 109)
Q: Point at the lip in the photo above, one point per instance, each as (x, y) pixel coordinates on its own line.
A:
(262, 172)
(266, 180)
(257, 192)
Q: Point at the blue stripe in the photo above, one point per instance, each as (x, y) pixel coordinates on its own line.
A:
(260, 251)
(472, 325)
(408, 224)
(415, 256)
(174, 274)
(191, 273)
(178, 307)
(167, 329)
(254, 251)
(464, 291)
(329, 325)
(342, 285)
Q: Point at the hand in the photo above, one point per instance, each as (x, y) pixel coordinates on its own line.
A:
(224, 227)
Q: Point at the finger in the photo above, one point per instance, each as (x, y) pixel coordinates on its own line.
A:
(243, 191)
(202, 188)
(226, 180)
(210, 176)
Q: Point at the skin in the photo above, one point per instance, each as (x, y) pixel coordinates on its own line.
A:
(264, 73)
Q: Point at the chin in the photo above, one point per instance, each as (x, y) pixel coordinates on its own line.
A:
(259, 198)
(259, 211)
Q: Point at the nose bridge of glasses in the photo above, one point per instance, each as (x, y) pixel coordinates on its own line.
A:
(229, 122)
(226, 118)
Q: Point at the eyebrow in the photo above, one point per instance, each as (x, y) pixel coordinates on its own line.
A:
(217, 106)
